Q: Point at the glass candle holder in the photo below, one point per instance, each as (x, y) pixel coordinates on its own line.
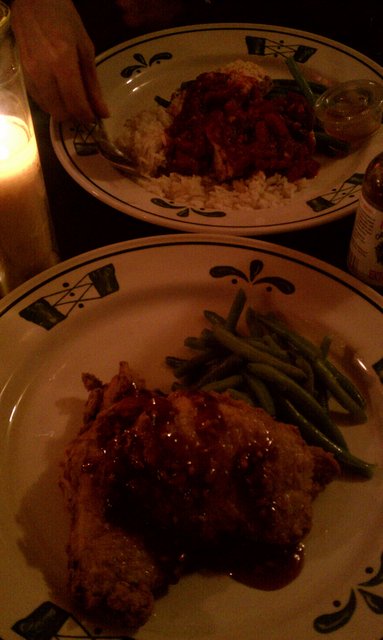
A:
(27, 244)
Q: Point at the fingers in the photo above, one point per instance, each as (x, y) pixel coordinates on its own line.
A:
(48, 96)
(63, 95)
(58, 60)
(78, 92)
(71, 90)
(91, 84)
(77, 97)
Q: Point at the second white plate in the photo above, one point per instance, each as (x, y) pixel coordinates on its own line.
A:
(134, 74)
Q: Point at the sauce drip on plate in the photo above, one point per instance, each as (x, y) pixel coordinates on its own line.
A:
(269, 567)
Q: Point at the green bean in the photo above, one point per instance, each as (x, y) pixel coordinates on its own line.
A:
(242, 348)
(325, 346)
(192, 342)
(310, 378)
(301, 81)
(213, 317)
(208, 337)
(283, 85)
(238, 394)
(307, 403)
(186, 367)
(268, 347)
(323, 396)
(267, 343)
(307, 348)
(261, 394)
(235, 311)
(232, 318)
(344, 399)
(204, 340)
(314, 436)
(219, 369)
(223, 384)
(174, 362)
(270, 341)
(347, 385)
(314, 355)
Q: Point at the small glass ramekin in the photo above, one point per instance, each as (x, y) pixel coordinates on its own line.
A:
(351, 111)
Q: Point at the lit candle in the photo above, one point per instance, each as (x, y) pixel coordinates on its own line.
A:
(25, 235)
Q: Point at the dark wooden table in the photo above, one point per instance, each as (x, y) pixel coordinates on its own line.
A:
(82, 223)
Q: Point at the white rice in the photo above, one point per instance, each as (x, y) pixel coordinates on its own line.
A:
(143, 138)
(257, 192)
(244, 67)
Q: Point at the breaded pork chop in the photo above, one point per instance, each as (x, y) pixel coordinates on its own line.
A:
(150, 478)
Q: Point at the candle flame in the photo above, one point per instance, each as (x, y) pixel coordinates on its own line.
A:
(18, 149)
(13, 136)
(4, 152)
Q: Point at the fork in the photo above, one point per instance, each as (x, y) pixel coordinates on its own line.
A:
(112, 153)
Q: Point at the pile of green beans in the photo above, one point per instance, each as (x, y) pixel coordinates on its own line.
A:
(278, 369)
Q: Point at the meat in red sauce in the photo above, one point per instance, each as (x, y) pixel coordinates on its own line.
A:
(225, 127)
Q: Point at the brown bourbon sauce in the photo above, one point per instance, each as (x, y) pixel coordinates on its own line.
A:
(268, 567)
(261, 566)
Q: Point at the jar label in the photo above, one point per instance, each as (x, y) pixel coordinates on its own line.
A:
(365, 258)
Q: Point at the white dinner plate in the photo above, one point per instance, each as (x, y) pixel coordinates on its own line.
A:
(135, 74)
(136, 301)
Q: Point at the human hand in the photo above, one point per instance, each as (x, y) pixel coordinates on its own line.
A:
(58, 59)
